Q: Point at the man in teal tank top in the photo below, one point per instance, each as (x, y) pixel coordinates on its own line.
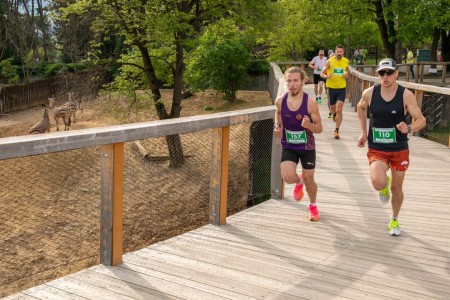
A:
(388, 104)
(296, 120)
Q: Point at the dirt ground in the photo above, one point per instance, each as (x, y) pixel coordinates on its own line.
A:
(93, 113)
(47, 232)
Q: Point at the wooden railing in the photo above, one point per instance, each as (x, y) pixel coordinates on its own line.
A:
(111, 141)
(419, 70)
(357, 82)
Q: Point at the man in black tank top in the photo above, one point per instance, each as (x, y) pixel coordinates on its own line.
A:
(387, 104)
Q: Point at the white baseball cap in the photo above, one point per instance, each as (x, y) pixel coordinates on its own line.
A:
(387, 64)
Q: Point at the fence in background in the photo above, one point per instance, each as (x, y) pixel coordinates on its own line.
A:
(84, 84)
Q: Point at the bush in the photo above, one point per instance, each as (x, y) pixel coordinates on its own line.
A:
(257, 67)
(220, 61)
(8, 72)
(54, 69)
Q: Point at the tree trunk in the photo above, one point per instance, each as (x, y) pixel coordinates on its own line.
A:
(434, 43)
(173, 141)
(175, 151)
(386, 30)
(445, 42)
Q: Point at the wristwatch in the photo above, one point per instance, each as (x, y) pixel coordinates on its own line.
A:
(409, 129)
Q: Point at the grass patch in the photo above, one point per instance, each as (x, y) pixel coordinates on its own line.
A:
(440, 136)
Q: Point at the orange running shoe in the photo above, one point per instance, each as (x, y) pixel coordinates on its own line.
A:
(313, 213)
(298, 190)
(336, 135)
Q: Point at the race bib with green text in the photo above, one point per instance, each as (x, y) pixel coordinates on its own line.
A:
(338, 72)
(384, 135)
(296, 137)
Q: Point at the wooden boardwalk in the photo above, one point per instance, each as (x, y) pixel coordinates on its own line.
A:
(271, 251)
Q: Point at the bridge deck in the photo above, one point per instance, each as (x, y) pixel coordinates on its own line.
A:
(272, 251)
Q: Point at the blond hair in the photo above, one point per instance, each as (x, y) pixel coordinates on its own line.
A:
(296, 70)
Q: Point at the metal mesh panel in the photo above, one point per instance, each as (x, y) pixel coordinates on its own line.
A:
(50, 216)
(161, 201)
(436, 109)
(238, 167)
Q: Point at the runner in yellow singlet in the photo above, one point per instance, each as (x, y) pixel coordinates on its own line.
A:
(335, 72)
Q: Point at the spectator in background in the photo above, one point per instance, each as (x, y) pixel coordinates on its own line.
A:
(410, 60)
(364, 55)
(358, 57)
(439, 55)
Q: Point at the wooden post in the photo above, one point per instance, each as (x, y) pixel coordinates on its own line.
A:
(418, 74)
(276, 181)
(444, 72)
(111, 211)
(419, 99)
(219, 176)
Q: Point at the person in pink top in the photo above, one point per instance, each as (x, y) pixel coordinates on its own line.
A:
(297, 119)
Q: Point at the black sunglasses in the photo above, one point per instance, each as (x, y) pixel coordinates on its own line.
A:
(387, 72)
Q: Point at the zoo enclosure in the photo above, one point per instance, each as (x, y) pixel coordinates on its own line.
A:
(58, 186)
(84, 84)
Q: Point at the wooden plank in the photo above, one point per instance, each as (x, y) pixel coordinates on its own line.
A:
(116, 284)
(161, 282)
(19, 296)
(278, 261)
(50, 293)
(255, 277)
(228, 280)
(87, 291)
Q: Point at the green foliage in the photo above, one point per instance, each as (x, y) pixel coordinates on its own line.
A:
(220, 61)
(8, 71)
(208, 108)
(256, 67)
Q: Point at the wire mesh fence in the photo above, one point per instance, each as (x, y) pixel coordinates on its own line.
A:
(49, 221)
(436, 109)
(50, 203)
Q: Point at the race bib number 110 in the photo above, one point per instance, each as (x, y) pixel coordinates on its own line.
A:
(384, 135)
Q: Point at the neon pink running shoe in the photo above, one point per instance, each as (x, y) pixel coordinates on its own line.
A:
(298, 190)
(313, 213)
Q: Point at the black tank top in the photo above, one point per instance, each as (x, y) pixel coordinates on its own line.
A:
(384, 116)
